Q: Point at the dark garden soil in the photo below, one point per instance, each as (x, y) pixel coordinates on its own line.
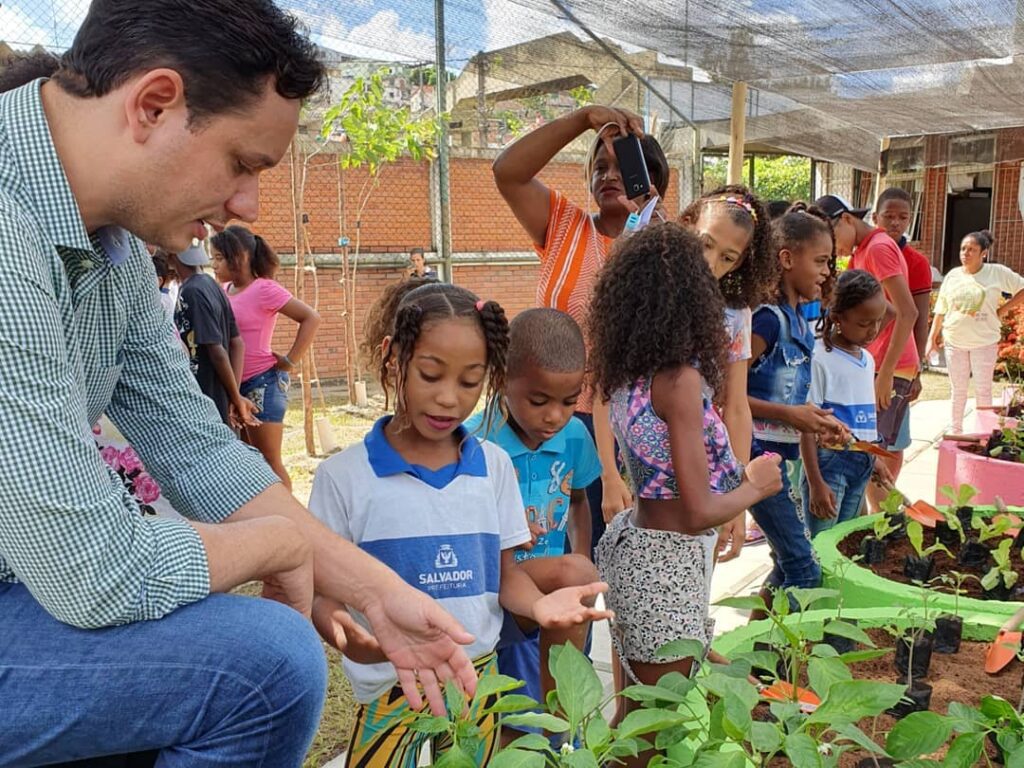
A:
(897, 551)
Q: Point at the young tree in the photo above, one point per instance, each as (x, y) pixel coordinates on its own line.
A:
(375, 135)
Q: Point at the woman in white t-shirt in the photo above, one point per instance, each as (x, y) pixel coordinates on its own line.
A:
(968, 318)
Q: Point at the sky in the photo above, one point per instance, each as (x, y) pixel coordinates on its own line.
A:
(400, 30)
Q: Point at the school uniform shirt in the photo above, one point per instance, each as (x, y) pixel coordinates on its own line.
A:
(441, 531)
(547, 477)
(845, 383)
(879, 255)
(968, 304)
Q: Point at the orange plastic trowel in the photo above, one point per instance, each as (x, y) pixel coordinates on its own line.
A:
(920, 510)
(1005, 513)
(1006, 646)
(781, 690)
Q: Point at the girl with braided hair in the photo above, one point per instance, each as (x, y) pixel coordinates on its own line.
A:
(843, 381)
(441, 508)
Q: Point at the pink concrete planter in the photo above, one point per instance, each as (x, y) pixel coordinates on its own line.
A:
(992, 477)
(987, 421)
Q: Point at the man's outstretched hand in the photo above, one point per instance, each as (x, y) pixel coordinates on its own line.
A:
(424, 642)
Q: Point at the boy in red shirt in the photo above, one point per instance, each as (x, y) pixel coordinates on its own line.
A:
(895, 353)
(892, 213)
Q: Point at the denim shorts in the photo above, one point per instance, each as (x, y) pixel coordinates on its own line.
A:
(269, 391)
(903, 440)
(891, 419)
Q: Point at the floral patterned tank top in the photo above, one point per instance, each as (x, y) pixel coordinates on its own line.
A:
(643, 440)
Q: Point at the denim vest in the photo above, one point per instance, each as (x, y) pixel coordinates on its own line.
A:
(783, 373)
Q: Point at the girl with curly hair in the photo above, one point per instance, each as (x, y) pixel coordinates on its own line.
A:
(734, 228)
(439, 507)
(659, 355)
(779, 380)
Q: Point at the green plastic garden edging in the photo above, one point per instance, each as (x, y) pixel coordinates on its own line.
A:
(861, 588)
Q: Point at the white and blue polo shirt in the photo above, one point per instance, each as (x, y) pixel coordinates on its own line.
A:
(442, 531)
(846, 384)
(547, 477)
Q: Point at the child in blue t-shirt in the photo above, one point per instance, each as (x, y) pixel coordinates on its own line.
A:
(843, 381)
(555, 460)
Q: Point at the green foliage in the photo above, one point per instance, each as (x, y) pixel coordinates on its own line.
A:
(954, 580)
(892, 504)
(1003, 570)
(786, 177)
(713, 711)
(377, 133)
(782, 177)
(961, 495)
(915, 532)
(581, 96)
(883, 527)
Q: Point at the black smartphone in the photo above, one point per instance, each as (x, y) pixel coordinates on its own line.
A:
(632, 167)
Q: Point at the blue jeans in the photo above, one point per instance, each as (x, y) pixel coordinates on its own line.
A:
(847, 474)
(782, 521)
(229, 680)
(269, 391)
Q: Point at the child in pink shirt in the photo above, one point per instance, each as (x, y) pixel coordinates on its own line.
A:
(246, 264)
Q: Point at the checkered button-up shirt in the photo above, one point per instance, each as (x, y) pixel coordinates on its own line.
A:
(82, 332)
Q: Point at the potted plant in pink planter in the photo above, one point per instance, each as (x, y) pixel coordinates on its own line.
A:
(993, 465)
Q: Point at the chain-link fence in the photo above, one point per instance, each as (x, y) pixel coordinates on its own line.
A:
(923, 94)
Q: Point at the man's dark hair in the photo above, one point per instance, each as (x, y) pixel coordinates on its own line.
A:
(224, 50)
(20, 68)
(547, 339)
(893, 193)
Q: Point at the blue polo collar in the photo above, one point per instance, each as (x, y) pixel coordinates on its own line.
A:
(386, 461)
(507, 438)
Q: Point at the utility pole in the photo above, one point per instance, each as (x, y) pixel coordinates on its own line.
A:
(444, 200)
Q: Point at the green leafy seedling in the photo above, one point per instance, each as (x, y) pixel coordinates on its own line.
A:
(915, 532)
(1003, 570)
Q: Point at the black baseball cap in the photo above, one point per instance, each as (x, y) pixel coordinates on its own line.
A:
(835, 206)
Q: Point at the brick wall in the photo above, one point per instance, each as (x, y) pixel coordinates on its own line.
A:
(397, 218)
(1007, 225)
(933, 214)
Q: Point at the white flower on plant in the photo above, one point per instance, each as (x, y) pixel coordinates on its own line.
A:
(825, 749)
(568, 748)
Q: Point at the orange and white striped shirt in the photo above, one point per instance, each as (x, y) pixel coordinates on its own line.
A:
(572, 257)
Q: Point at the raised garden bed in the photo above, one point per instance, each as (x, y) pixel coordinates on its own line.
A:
(956, 677)
(887, 587)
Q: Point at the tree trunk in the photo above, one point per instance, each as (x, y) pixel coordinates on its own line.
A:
(299, 291)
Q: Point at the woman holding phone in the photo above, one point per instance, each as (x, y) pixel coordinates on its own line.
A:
(572, 241)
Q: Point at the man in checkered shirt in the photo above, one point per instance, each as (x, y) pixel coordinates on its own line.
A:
(115, 634)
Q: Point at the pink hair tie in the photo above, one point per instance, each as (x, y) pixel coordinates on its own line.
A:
(480, 305)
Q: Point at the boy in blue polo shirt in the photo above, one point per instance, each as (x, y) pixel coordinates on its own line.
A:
(555, 460)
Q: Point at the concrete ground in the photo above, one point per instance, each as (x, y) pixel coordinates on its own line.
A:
(929, 420)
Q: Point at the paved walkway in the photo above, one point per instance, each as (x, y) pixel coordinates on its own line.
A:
(929, 420)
